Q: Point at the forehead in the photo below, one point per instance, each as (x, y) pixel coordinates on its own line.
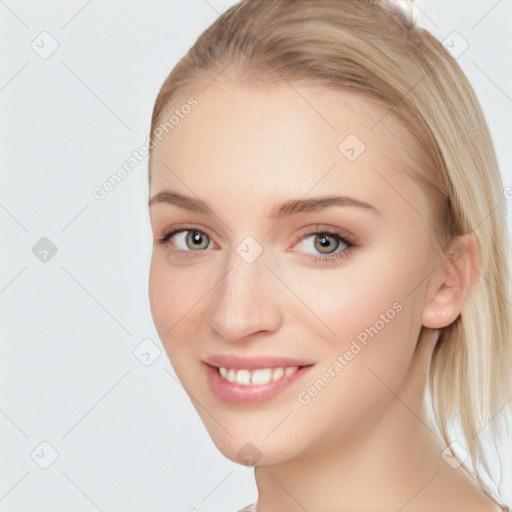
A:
(240, 137)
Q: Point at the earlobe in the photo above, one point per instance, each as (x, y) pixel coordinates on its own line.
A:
(453, 281)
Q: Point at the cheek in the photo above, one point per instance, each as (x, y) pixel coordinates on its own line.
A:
(168, 299)
(365, 310)
(177, 298)
(161, 298)
(374, 319)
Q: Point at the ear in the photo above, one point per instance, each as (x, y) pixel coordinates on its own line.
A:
(458, 272)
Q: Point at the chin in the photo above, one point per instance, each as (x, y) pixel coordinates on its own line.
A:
(253, 447)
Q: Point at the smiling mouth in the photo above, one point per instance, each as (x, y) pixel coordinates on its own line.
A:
(251, 386)
(258, 376)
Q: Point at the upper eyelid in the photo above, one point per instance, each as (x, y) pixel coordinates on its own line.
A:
(322, 228)
(179, 229)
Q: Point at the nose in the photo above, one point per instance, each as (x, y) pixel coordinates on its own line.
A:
(245, 301)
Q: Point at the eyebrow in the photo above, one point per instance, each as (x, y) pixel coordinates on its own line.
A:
(285, 209)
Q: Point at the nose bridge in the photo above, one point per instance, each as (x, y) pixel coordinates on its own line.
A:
(244, 302)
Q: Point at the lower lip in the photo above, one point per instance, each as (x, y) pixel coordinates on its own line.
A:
(234, 393)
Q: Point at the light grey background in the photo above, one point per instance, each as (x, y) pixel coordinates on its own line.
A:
(126, 434)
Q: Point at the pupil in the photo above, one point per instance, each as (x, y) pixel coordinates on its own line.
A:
(196, 238)
(324, 241)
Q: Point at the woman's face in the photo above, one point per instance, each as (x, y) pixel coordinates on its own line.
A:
(261, 275)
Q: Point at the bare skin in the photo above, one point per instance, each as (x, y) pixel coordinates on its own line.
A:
(363, 442)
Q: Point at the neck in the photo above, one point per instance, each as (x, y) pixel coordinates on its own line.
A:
(377, 472)
(381, 467)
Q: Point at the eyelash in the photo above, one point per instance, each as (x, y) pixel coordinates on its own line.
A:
(324, 258)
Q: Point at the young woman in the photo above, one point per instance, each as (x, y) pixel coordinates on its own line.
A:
(330, 257)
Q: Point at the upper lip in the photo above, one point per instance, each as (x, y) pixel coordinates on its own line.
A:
(238, 362)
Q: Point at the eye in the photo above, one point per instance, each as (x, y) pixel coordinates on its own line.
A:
(186, 240)
(330, 244)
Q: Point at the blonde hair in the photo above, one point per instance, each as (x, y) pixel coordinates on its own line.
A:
(361, 47)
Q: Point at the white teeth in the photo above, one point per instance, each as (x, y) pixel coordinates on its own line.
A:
(261, 376)
(289, 371)
(256, 377)
(243, 377)
(278, 373)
